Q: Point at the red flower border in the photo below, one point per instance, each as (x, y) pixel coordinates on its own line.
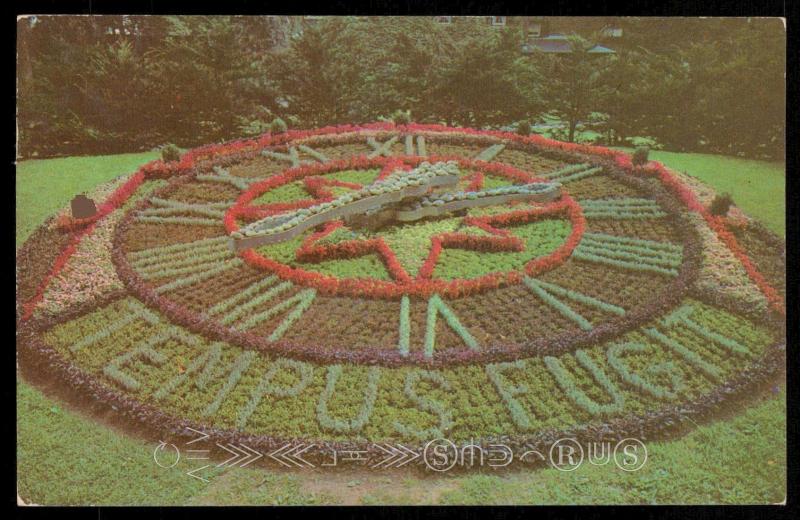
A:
(718, 224)
(81, 228)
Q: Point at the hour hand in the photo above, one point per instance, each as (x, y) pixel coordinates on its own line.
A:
(379, 195)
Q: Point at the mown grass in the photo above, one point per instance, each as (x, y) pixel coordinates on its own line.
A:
(739, 461)
(65, 457)
(757, 187)
(44, 185)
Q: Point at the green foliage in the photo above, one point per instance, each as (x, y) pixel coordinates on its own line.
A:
(549, 293)
(192, 80)
(242, 363)
(508, 391)
(115, 369)
(401, 117)
(742, 114)
(205, 363)
(578, 396)
(403, 343)
(88, 458)
(345, 399)
(616, 362)
(267, 385)
(576, 83)
(188, 80)
(245, 309)
(411, 242)
(285, 192)
(429, 405)
(436, 307)
(630, 253)
(763, 200)
(490, 182)
(170, 153)
(278, 126)
(721, 204)
(298, 303)
(560, 306)
(622, 208)
(339, 235)
(356, 423)
(44, 186)
(707, 466)
(540, 237)
(367, 266)
(718, 473)
(487, 81)
(257, 123)
(689, 355)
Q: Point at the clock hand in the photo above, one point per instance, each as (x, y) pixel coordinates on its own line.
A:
(402, 197)
(441, 203)
(390, 190)
(437, 204)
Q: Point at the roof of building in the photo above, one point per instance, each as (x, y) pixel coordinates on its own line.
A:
(558, 43)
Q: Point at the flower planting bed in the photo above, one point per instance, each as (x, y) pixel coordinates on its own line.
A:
(620, 308)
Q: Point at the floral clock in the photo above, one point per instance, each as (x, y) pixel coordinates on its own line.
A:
(546, 289)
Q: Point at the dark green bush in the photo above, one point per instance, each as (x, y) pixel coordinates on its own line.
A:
(721, 204)
(170, 153)
(524, 127)
(278, 126)
(639, 157)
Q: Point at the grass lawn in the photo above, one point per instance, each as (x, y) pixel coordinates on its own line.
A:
(757, 187)
(44, 185)
(64, 457)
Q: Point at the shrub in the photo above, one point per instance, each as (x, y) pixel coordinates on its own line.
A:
(170, 153)
(278, 126)
(401, 117)
(524, 127)
(721, 204)
(639, 157)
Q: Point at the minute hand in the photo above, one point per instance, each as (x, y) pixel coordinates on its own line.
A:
(439, 204)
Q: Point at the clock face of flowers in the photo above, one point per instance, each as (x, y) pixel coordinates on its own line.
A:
(508, 268)
(537, 289)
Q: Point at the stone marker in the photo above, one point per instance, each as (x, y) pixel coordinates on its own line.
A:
(83, 207)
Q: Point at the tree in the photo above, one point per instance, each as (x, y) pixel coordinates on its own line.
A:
(576, 81)
(210, 77)
(316, 73)
(350, 70)
(740, 83)
(119, 83)
(641, 94)
(713, 84)
(488, 81)
(404, 56)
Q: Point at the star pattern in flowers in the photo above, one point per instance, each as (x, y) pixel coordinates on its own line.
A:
(411, 250)
(410, 261)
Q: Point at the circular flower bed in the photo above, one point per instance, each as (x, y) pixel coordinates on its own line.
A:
(619, 308)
